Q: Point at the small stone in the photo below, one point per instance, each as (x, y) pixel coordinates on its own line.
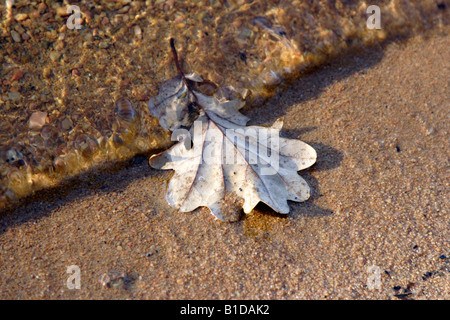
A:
(105, 280)
(114, 279)
(76, 72)
(35, 14)
(47, 73)
(55, 55)
(15, 35)
(88, 16)
(9, 4)
(62, 12)
(123, 9)
(66, 124)
(59, 164)
(429, 131)
(47, 16)
(138, 32)
(21, 16)
(103, 45)
(125, 110)
(17, 75)
(59, 45)
(88, 37)
(14, 96)
(13, 156)
(42, 6)
(37, 120)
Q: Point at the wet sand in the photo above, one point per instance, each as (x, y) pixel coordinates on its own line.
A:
(379, 206)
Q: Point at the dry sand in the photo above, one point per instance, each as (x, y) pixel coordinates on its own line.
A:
(380, 122)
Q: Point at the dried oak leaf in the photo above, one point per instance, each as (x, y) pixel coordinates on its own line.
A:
(174, 103)
(221, 158)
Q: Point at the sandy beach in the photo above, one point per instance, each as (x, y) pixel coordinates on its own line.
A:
(376, 226)
(63, 74)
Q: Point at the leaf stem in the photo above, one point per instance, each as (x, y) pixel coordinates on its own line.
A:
(183, 78)
(175, 57)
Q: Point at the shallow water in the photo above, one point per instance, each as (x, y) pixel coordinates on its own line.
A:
(59, 86)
